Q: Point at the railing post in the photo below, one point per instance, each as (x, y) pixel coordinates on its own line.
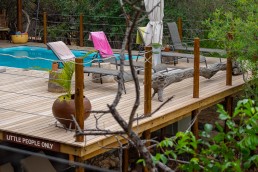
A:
(229, 63)
(79, 112)
(125, 159)
(196, 68)
(19, 15)
(79, 168)
(180, 27)
(81, 30)
(147, 90)
(229, 70)
(147, 80)
(45, 27)
(146, 135)
(196, 84)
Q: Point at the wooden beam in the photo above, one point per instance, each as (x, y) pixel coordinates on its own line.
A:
(175, 115)
(79, 105)
(155, 124)
(147, 80)
(19, 15)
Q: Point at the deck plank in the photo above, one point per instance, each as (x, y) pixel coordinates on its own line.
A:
(26, 105)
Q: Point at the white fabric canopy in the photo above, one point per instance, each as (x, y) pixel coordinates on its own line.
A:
(154, 30)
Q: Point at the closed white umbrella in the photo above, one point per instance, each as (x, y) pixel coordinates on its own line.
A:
(154, 30)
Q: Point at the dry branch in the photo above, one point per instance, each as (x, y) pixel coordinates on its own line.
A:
(161, 80)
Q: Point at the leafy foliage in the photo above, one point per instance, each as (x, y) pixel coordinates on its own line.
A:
(64, 79)
(236, 29)
(235, 150)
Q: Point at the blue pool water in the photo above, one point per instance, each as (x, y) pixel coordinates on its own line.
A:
(31, 57)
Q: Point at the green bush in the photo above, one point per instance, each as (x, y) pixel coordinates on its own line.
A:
(234, 150)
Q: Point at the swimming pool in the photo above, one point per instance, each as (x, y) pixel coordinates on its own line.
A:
(32, 57)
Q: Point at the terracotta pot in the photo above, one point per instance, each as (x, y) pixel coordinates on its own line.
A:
(62, 110)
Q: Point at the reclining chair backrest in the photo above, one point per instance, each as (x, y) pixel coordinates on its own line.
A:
(173, 30)
(140, 35)
(101, 44)
(61, 51)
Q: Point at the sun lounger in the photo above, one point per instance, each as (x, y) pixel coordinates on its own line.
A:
(101, 44)
(105, 52)
(183, 55)
(140, 66)
(179, 45)
(65, 54)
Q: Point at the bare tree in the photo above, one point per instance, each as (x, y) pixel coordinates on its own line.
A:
(132, 17)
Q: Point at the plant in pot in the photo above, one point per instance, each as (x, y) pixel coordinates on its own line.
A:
(64, 105)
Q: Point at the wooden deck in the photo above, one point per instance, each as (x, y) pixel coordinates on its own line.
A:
(25, 109)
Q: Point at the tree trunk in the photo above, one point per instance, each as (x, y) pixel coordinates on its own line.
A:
(162, 80)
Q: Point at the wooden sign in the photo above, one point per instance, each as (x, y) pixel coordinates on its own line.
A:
(32, 142)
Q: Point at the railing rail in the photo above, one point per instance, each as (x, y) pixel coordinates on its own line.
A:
(67, 29)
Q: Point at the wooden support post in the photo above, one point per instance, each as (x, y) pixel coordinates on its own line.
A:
(147, 80)
(81, 30)
(19, 15)
(162, 133)
(180, 27)
(79, 113)
(80, 160)
(45, 27)
(146, 135)
(196, 78)
(229, 108)
(71, 159)
(195, 128)
(125, 160)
